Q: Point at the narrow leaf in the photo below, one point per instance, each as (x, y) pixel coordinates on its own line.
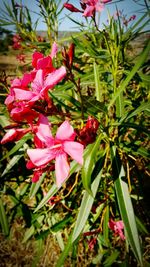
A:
(145, 106)
(50, 193)
(86, 205)
(29, 232)
(125, 205)
(18, 145)
(12, 162)
(98, 91)
(89, 163)
(137, 65)
(65, 252)
(111, 259)
(105, 224)
(3, 219)
(35, 186)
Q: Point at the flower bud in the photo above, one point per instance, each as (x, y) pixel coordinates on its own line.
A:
(71, 8)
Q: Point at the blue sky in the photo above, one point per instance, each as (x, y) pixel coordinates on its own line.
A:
(129, 8)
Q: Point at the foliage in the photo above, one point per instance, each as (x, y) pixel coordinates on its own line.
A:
(103, 94)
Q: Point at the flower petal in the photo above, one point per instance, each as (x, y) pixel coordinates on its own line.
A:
(40, 156)
(9, 136)
(54, 77)
(119, 225)
(23, 94)
(75, 150)
(36, 176)
(65, 132)
(54, 50)
(99, 7)
(88, 12)
(44, 63)
(62, 168)
(35, 57)
(38, 81)
(44, 132)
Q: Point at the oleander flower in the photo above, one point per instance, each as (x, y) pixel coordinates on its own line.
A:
(94, 5)
(117, 227)
(40, 86)
(89, 7)
(56, 148)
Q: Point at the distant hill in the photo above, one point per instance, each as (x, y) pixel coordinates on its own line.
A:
(61, 34)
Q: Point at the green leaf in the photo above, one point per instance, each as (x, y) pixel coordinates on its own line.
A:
(29, 232)
(98, 89)
(65, 252)
(111, 259)
(66, 97)
(137, 65)
(86, 204)
(145, 106)
(18, 145)
(89, 163)
(93, 106)
(143, 152)
(120, 105)
(60, 225)
(105, 225)
(50, 193)
(3, 219)
(125, 205)
(12, 162)
(141, 226)
(35, 186)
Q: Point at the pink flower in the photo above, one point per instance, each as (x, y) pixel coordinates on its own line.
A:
(44, 63)
(117, 228)
(92, 242)
(89, 7)
(23, 112)
(40, 86)
(93, 5)
(57, 148)
(17, 83)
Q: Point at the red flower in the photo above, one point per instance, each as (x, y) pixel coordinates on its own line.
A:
(21, 58)
(68, 56)
(117, 227)
(92, 242)
(87, 134)
(17, 42)
(71, 8)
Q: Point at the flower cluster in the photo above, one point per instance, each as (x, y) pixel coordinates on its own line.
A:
(28, 103)
(117, 227)
(119, 14)
(88, 133)
(17, 42)
(89, 7)
(31, 90)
